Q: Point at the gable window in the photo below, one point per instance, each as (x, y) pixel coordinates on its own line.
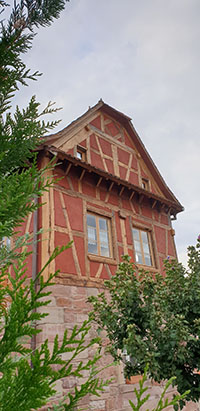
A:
(145, 184)
(81, 153)
(142, 246)
(99, 235)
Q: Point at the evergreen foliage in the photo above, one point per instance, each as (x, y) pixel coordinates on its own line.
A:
(21, 132)
(155, 320)
(163, 402)
(28, 376)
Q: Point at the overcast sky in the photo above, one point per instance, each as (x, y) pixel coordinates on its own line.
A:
(143, 58)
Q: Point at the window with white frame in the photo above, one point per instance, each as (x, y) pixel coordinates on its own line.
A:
(142, 246)
(99, 235)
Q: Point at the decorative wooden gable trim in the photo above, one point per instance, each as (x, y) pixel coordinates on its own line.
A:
(112, 145)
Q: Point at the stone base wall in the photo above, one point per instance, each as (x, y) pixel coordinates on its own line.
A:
(69, 307)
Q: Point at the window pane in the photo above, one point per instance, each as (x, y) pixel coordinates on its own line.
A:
(79, 155)
(136, 234)
(105, 251)
(146, 248)
(92, 234)
(91, 220)
(145, 184)
(103, 237)
(144, 237)
(137, 246)
(138, 258)
(92, 248)
(103, 224)
(147, 260)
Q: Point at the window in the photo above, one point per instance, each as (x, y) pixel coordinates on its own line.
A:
(81, 153)
(6, 242)
(142, 246)
(145, 184)
(99, 235)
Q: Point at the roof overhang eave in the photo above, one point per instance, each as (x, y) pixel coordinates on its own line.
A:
(174, 206)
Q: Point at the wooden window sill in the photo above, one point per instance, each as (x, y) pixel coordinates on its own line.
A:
(101, 259)
(147, 268)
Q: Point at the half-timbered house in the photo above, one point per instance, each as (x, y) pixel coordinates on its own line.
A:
(109, 199)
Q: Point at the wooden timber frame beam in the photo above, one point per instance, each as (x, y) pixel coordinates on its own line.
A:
(99, 181)
(153, 203)
(68, 169)
(121, 190)
(111, 186)
(131, 196)
(82, 174)
(167, 205)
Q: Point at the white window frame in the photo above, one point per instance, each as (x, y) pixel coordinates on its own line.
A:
(99, 243)
(141, 242)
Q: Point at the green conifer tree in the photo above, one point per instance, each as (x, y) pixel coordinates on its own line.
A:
(21, 131)
(28, 377)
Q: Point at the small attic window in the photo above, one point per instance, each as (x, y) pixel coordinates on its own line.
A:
(81, 153)
(145, 184)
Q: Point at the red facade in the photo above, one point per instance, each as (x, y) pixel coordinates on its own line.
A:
(103, 169)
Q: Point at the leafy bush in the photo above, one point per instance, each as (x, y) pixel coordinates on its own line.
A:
(156, 320)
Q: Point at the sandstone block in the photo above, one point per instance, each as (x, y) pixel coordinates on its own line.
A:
(97, 405)
(64, 302)
(55, 315)
(62, 291)
(70, 318)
